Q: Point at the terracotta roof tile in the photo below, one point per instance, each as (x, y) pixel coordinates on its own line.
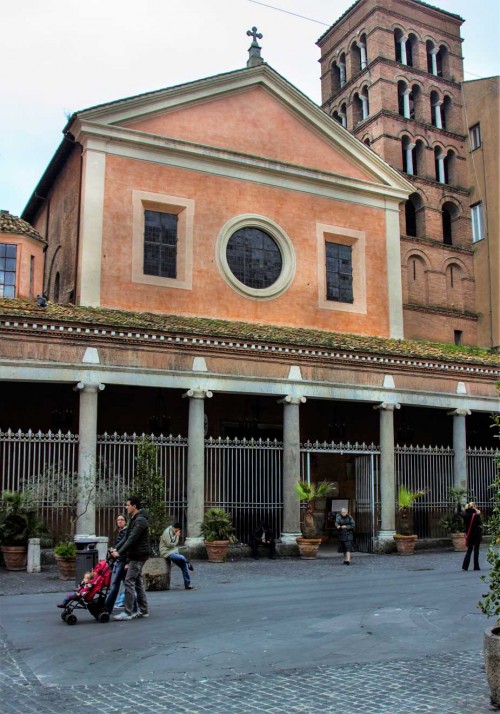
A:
(227, 330)
(13, 224)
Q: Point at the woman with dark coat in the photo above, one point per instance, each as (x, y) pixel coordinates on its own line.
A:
(345, 526)
(474, 534)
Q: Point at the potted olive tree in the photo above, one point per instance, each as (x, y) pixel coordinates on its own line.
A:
(218, 533)
(405, 538)
(19, 522)
(309, 542)
(490, 601)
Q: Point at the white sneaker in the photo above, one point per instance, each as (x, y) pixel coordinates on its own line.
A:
(123, 616)
(139, 613)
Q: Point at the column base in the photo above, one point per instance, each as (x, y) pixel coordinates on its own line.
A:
(195, 547)
(193, 542)
(385, 543)
(290, 538)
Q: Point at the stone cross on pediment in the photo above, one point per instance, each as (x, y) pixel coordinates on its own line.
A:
(254, 57)
(253, 33)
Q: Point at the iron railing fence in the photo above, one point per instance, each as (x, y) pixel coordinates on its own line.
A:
(116, 454)
(245, 477)
(46, 465)
(430, 468)
(482, 466)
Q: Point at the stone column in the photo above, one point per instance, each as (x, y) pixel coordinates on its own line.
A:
(363, 55)
(433, 54)
(387, 475)
(196, 465)
(441, 173)
(402, 46)
(459, 447)
(87, 429)
(406, 103)
(291, 467)
(409, 159)
(343, 73)
(437, 114)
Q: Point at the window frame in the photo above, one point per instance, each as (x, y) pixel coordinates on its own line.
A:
(183, 208)
(249, 220)
(477, 222)
(339, 272)
(475, 136)
(357, 241)
(13, 285)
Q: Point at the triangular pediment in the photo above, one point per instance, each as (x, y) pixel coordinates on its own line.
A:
(253, 112)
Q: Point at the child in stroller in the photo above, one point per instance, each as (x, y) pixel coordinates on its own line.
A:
(84, 586)
(90, 595)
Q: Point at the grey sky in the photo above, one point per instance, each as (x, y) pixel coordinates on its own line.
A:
(59, 56)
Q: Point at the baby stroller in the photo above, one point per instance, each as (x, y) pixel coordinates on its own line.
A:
(93, 599)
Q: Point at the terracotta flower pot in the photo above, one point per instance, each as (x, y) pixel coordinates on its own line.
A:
(405, 544)
(458, 541)
(15, 556)
(217, 550)
(492, 662)
(66, 567)
(308, 547)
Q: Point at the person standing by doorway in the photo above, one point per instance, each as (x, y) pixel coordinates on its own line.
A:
(136, 548)
(345, 526)
(474, 534)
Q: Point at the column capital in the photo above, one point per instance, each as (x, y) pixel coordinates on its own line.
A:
(289, 399)
(459, 412)
(89, 387)
(388, 406)
(198, 394)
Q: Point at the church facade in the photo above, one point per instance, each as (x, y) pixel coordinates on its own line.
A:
(222, 259)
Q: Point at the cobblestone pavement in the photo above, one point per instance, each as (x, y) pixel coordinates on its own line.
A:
(440, 684)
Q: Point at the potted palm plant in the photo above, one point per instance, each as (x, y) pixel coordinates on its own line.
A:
(65, 554)
(453, 522)
(309, 542)
(19, 522)
(490, 601)
(405, 539)
(218, 532)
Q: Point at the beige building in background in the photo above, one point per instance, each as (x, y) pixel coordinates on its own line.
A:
(481, 112)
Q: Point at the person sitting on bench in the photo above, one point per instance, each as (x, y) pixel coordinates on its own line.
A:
(263, 536)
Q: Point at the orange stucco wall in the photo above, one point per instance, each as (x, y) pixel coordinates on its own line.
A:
(217, 200)
(254, 123)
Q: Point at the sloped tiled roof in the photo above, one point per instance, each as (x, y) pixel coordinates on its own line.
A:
(13, 224)
(233, 330)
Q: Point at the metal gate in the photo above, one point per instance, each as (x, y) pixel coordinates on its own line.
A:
(366, 459)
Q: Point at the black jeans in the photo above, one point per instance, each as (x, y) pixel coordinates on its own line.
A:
(255, 543)
(465, 564)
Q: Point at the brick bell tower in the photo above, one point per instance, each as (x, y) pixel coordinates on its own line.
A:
(391, 73)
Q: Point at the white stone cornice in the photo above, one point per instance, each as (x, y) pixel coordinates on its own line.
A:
(264, 76)
(143, 146)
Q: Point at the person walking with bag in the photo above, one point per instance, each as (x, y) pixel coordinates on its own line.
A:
(474, 534)
(345, 526)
